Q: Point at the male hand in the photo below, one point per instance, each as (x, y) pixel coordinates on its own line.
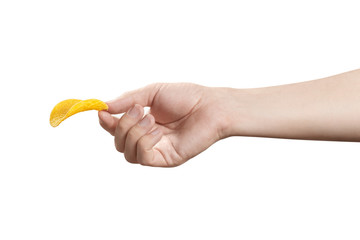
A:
(184, 120)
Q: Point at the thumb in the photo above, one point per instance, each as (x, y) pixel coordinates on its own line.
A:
(143, 96)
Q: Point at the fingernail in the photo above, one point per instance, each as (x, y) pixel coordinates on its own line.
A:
(144, 122)
(133, 112)
(155, 132)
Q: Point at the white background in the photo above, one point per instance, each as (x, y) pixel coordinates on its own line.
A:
(70, 183)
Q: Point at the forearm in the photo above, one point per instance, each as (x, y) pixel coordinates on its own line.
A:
(324, 109)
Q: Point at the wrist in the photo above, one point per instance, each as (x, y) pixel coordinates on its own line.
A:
(237, 108)
(247, 112)
(232, 107)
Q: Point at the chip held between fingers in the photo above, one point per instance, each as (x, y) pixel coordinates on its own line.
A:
(69, 107)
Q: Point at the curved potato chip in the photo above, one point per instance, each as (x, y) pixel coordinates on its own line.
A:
(69, 107)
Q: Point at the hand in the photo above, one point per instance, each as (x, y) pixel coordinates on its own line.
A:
(184, 120)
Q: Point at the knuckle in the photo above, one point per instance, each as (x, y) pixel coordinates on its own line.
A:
(141, 144)
(147, 162)
(133, 133)
(121, 127)
(144, 163)
(126, 156)
(129, 158)
(152, 85)
(142, 152)
(118, 147)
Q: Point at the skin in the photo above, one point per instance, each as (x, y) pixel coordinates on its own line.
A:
(185, 119)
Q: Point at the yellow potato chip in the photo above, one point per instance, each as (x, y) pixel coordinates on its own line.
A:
(69, 107)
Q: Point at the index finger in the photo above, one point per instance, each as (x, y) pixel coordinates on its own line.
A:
(108, 122)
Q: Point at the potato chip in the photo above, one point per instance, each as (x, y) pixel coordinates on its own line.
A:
(69, 107)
